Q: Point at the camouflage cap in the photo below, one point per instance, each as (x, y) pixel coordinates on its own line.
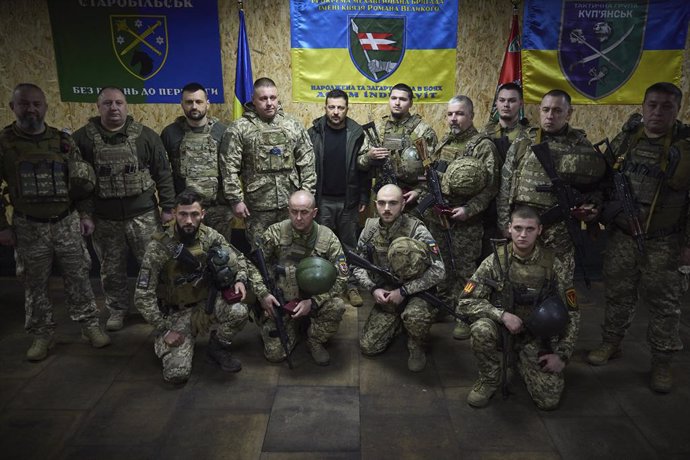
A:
(465, 177)
(408, 258)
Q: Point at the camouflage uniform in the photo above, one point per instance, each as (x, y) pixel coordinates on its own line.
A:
(158, 281)
(495, 131)
(195, 160)
(655, 275)
(576, 162)
(398, 135)
(529, 276)
(417, 316)
(272, 159)
(131, 165)
(45, 225)
(284, 246)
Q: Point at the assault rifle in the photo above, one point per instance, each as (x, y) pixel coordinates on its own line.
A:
(507, 303)
(567, 198)
(358, 261)
(270, 283)
(387, 172)
(435, 197)
(502, 145)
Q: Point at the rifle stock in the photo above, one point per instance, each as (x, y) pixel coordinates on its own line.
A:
(387, 172)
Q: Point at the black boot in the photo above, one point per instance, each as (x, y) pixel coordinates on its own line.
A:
(220, 354)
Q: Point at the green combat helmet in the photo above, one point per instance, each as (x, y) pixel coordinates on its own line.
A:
(549, 319)
(315, 275)
(408, 258)
(465, 177)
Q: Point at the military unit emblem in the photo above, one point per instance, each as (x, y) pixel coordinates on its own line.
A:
(376, 45)
(140, 43)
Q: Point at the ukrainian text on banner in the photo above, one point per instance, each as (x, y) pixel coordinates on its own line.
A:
(364, 47)
(602, 52)
(150, 48)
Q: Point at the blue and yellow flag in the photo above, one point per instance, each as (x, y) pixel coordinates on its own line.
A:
(602, 52)
(364, 48)
(244, 81)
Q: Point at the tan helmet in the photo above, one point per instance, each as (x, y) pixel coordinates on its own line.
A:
(408, 258)
(465, 177)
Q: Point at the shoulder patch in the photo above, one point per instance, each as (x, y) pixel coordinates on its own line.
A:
(342, 266)
(571, 298)
(144, 278)
(433, 247)
(469, 287)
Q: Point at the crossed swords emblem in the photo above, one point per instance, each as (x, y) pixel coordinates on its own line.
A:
(122, 26)
(576, 36)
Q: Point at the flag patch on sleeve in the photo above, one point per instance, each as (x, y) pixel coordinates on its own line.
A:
(433, 247)
(571, 298)
(342, 266)
(144, 278)
(469, 287)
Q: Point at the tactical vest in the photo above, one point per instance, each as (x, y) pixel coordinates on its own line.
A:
(399, 139)
(453, 147)
(380, 238)
(173, 286)
(197, 158)
(272, 148)
(292, 252)
(117, 166)
(41, 172)
(577, 163)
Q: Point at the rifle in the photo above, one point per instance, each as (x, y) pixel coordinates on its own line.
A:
(435, 197)
(502, 145)
(386, 167)
(358, 261)
(506, 302)
(278, 294)
(567, 198)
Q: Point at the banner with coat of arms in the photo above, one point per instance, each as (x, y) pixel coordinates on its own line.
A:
(150, 49)
(365, 47)
(602, 52)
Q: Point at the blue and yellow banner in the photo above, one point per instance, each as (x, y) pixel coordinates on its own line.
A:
(149, 48)
(244, 82)
(602, 52)
(365, 47)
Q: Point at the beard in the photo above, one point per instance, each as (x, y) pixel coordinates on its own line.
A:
(30, 123)
(195, 115)
(187, 235)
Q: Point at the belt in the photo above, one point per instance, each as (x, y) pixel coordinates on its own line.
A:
(44, 220)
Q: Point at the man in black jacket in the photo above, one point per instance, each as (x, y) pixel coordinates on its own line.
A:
(342, 191)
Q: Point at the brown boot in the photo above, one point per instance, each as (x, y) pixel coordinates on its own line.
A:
(319, 353)
(354, 297)
(603, 353)
(661, 380)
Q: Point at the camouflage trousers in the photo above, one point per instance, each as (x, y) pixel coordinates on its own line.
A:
(227, 320)
(323, 324)
(545, 388)
(343, 222)
(384, 324)
(112, 241)
(654, 278)
(219, 217)
(38, 246)
(466, 248)
(557, 239)
(259, 221)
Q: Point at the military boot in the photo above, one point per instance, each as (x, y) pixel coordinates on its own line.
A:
(319, 353)
(417, 360)
(219, 353)
(94, 334)
(481, 393)
(116, 320)
(461, 330)
(601, 355)
(38, 351)
(662, 379)
(354, 297)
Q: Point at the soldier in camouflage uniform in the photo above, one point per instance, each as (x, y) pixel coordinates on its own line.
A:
(403, 244)
(399, 131)
(532, 274)
(171, 294)
(469, 182)
(653, 153)
(285, 244)
(41, 166)
(577, 163)
(131, 165)
(272, 154)
(193, 143)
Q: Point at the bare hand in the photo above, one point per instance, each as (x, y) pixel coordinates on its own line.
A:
(460, 213)
(395, 297)
(586, 212)
(268, 303)
(166, 216)
(303, 308)
(240, 288)
(380, 296)
(362, 208)
(7, 237)
(411, 196)
(86, 226)
(551, 363)
(240, 210)
(173, 338)
(378, 153)
(512, 322)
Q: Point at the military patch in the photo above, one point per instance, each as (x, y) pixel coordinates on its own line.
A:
(342, 266)
(571, 298)
(469, 287)
(144, 278)
(433, 247)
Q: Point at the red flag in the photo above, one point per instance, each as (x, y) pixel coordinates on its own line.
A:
(511, 70)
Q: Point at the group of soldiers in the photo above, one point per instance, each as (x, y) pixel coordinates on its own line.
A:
(485, 226)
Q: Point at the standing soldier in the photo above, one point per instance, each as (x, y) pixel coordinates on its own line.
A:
(577, 164)
(342, 191)
(46, 178)
(193, 143)
(181, 265)
(469, 183)
(396, 159)
(651, 154)
(307, 286)
(543, 330)
(131, 165)
(509, 103)
(401, 243)
(272, 155)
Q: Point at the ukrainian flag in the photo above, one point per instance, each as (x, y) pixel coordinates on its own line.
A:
(244, 83)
